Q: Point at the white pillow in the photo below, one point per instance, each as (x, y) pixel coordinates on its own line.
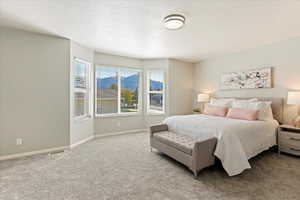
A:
(265, 110)
(244, 104)
(221, 102)
(263, 107)
(246, 100)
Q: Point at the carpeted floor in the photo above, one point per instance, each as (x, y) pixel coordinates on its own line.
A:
(122, 167)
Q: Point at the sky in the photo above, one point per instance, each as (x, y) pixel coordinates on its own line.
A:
(107, 72)
(80, 69)
(157, 75)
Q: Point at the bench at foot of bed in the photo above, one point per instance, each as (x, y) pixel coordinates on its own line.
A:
(194, 154)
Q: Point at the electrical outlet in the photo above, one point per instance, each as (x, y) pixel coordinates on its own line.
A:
(19, 141)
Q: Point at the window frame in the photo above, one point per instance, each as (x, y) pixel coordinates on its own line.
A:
(119, 113)
(87, 90)
(148, 92)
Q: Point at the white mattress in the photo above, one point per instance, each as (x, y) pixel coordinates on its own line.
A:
(238, 140)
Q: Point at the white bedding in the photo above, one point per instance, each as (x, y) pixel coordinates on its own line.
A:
(238, 140)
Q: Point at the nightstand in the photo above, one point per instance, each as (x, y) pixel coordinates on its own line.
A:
(289, 139)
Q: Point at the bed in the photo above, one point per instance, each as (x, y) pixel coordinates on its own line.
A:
(237, 140)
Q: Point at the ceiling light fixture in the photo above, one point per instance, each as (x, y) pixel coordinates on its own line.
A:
(174, 21)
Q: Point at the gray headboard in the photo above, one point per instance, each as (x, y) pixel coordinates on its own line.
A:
(277, 105)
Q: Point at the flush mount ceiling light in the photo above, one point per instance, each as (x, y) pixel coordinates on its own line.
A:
(174, 21)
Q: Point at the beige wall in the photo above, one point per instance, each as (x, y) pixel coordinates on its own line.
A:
(80, 130)
(181, 87)
(283, 56)
(34, 91)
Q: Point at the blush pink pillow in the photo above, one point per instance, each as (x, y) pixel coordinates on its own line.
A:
(215, 110)
(238, 113)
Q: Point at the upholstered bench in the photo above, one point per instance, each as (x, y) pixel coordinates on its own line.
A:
(195, 154)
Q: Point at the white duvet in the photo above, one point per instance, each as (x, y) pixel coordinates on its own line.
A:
(238, 140)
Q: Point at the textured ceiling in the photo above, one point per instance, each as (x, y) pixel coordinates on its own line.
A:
(135, 28)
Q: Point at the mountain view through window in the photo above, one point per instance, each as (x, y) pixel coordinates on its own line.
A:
(156, 91)
(109, 99)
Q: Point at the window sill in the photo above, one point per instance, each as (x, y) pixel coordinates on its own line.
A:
(82, 119)
(118, 115)
(156, 114)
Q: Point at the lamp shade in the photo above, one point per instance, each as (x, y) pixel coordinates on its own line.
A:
(293, 98)
(203, 97)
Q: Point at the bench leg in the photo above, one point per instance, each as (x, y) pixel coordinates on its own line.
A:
(195, 173)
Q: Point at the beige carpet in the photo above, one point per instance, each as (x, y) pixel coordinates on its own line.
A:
(122, 167)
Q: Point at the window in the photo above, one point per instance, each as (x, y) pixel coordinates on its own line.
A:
(129, 90)
(117, 91)
(155, 92)
(82, 90)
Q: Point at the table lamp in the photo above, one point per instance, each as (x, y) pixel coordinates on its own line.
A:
(202, 98)
(294, 99)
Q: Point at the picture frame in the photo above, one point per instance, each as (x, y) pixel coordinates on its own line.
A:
(249, 79)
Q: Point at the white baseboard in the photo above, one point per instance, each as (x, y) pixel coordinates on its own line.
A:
(31, 153)
(82, 141)
(45, 151)
(120, 133)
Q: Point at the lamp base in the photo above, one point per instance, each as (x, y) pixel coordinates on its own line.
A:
(296, 121)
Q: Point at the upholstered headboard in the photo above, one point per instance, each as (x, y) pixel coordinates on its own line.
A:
(277, 105)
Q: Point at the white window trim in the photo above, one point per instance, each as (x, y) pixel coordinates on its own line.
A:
(119, 113)
(148, 92)
(87, 91)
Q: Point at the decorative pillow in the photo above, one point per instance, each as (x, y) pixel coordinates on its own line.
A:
(265, 110)
(215, 110)
(221, 102)
(238, 113)
(263, 107)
